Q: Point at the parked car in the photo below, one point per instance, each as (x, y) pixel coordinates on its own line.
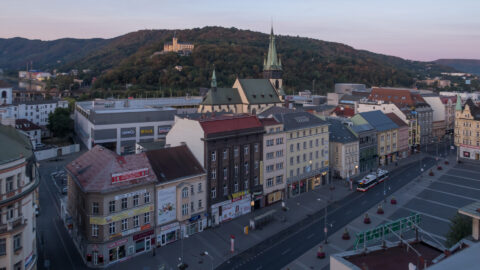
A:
(37, 210)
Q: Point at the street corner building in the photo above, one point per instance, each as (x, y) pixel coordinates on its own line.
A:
(230, 149)
(110, 206)
(467, 130)
(19, 182)
(181, 194)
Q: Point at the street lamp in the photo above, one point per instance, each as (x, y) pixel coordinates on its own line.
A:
(325, 228)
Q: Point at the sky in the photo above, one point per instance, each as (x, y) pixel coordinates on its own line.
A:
(418, 30)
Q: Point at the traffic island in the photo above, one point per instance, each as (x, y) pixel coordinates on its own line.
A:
(366, 219)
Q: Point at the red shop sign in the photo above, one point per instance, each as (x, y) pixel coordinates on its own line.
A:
(142, 235)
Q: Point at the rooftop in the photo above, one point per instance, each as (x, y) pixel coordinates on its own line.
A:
(339, 132)
(259, 91)
(269, 121)
(131, 105)
(174, 163)
(299, 120)
(101, 170)
(471, 210)
(344, 111)
(274, 110)
(396, 120)
(378, 120)
(226, 124)
(25, 125)
(397, 95)
(222, 96)
(14, 145)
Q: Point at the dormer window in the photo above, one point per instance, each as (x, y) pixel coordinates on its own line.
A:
(263, 95)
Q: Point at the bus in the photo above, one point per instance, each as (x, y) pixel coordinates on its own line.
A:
(371, 180)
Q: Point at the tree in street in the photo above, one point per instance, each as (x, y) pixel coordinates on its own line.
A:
(460, 228)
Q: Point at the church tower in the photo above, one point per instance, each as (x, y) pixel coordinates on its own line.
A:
(272, 66)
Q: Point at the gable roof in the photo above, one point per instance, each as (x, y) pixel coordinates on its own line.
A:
(274, 110)
(173, 163)
(474, 109)
(259, 91)
(222, 96)
(299, 120)
(93, 170)
(338, 132)
(397, 120)
(343, 111)
(226, 124)
(378, 120)
(14, 145)
(396, 95)
(361, 128)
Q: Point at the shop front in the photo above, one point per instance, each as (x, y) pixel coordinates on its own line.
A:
(470, 152)
(274, 197)
(144, 241)
(239, 205)
(168, 234)
(195, 224)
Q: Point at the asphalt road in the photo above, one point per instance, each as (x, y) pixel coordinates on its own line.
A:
(285, 246)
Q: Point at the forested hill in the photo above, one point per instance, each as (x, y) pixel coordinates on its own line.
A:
(464, 65)
(131, 59)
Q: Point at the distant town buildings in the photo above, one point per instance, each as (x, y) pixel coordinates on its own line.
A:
(19, 182)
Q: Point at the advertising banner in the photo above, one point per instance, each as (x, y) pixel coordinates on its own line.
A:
(167, 205)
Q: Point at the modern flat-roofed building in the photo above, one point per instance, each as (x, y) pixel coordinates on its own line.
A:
(110, 206)
(119, 124)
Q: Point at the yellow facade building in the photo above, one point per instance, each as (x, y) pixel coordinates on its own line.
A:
(467, 130)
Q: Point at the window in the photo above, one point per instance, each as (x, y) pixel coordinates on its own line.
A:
(135, 200)
(323, 141)
(291, 160)
(199, 187)
(111, 206)
(225, 173)
(298, 146)
(10, 212)
(279, 166)
(185, 192)
(225, 153)
(9, 184)
(298, 159)
(245, 150)
(269, 168)
(256, 164)
(311, 143)
(17, 242)
(214, 193)
(316, 154)
(279, 140)
(184, 209)
(3, 247)
(19, 180)
(311, 155)
(225, 190)
(291, 173)
(191, 190)
(146, 218)
(269, 142)
(304, 145)
(236, 170)
(135, 221)
(95, 208)
(146, 196)
(124, 203)
(111, 228)
(382, 138)
(270, 155)
(291, 147)
(246, 167)
(256, 147)
(245, 183)
(280, 153)
(316, 142)
(304, 157)
(279, 179)
(124, 224)
(192, 207)
(214, 156)
(200, 204)
(269, 182)
(235, 151)
(235, 187)
(255, 180)
(213, 174)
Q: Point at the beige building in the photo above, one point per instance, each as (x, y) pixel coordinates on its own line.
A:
(306, 151)
(273, 174)
(467, 130)
(18, 194)
(111, 205)
(181, 193)
(344, 150)
(176, 46)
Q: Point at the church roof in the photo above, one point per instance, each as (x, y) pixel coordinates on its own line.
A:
(272, 62)
(222, 96)
(259, 91)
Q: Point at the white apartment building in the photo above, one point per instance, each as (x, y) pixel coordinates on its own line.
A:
(273, 174)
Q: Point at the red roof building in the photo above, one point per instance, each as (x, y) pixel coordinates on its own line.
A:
(342, 111)
(402, 97)
(211, 126)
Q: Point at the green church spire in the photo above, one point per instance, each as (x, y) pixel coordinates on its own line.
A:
(273, 61)
(458, 106)
(213, 83)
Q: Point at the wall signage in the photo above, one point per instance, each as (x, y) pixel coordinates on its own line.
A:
(130, 175)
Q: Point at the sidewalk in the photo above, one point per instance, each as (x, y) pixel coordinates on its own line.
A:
(336, 244)
(216, 241)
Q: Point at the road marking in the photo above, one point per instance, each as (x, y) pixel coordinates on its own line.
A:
(434, 202)
(457, 185)
(427, 215)
(286, 251)
(465, 170)
(335, 247)
(463, 177)
(310, 236)
(452, 194)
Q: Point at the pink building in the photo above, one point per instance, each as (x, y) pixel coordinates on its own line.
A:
(402, 138)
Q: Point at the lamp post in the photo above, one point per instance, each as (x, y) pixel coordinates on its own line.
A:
(325, 228)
